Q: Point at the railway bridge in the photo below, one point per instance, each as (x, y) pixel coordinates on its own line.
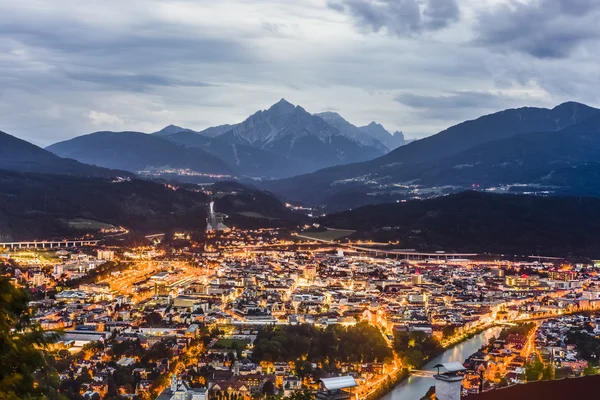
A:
(48, 244)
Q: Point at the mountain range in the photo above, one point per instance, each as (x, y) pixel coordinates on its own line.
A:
(41, 192)
(282, 141)
(551, 151)
(516, 146)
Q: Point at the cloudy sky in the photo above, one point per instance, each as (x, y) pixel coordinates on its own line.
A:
(73, 67)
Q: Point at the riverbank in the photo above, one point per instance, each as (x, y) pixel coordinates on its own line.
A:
(404, 373)
(403, 377)
(389, 384)
(415, 387)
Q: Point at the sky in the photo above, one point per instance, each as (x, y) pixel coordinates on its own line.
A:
(73, 67)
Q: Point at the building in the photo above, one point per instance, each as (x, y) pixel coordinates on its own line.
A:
(180, 390)
(59, 269)
(310, 272)
(417, 279)
(38, 279)
(107, 255)
(333, 388)
(215, 221)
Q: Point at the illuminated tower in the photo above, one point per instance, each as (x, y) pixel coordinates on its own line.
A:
(211, 222)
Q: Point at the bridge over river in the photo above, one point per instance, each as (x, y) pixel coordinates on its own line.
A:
(48, 244)
(420, 381)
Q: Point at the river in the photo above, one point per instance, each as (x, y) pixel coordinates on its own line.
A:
(415, 387)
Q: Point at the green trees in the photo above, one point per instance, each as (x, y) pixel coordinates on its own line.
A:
(303, 368)
(153, 319)
(21, 360)
(415, 347)
(548, 374)
(304, 395)
(268, 388)
(589, 370)
(523, 329)
(448, 331)
(534, 370)
(588, 346)
(336, 343)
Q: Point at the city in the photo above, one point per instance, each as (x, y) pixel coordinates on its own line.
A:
(299, 200)
(253, 313)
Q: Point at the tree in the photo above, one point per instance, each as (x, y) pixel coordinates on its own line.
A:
(153, 319)
(303, 395)
(534, 370)
(548, 373)
(589, 370)
(303, 368)
(21, 359)
(268, 388)
(448, 331)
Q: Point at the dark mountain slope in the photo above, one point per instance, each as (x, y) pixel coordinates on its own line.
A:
(19, 155)
(171, 130)
(249, 207)
(491, 127)
(478, 222)
(241, 157)
(522, 158)
(36, 206)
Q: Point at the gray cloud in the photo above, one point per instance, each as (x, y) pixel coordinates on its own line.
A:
(133, 82)
(545, 29)
(400, 17)
(461, 105)
(452, 100)
(77, 67)
(439, 14)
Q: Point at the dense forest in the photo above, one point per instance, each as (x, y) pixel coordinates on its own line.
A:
(251, 208)
(481, 222)
(36, 206)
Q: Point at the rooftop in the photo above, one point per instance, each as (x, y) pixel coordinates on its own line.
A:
(340, 382)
